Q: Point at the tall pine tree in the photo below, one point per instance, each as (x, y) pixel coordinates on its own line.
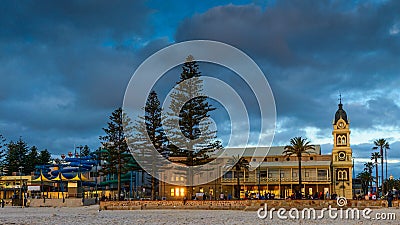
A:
(191, 120)
(85, 151)
(152, 127)
(44, 157)
(31, 159)
(118, 158)
(16, 156)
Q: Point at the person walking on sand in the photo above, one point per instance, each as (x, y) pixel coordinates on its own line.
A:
(2, 203)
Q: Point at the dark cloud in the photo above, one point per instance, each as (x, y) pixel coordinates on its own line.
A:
(310, 51)
(65, 67)
(65, 64)
(52, 21)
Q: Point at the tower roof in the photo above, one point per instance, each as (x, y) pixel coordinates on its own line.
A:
(340, 113)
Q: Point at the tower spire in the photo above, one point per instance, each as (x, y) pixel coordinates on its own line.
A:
(340, 101)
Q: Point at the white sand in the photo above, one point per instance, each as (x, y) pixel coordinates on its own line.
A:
(90, 215)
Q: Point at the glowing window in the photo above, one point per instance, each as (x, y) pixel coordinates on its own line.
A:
(172, 192)
(177, 191)
(182, 191)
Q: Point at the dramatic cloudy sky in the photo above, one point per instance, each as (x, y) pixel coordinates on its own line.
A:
(64, 65)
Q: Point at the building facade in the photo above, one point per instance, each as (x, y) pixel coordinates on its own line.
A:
(277, 174)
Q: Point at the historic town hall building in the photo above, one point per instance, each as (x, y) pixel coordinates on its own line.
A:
(277, 174)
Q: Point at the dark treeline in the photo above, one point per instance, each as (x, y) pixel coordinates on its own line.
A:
(16, 154)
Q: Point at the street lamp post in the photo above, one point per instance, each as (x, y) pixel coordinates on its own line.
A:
(20, 186)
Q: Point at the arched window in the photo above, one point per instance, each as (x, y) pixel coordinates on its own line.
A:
(341, 140)
(342, 175)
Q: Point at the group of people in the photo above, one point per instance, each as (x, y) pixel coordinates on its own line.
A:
(316, 196)
(266, 196)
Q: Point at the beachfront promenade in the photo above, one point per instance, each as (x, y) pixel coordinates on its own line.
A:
(246, 205)
(91, 215)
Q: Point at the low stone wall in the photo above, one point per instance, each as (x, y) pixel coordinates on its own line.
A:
(239, 204)
(69, 202)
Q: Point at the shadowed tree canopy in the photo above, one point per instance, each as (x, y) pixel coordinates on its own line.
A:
(118, 159)
(44, 157)
(16, 155)
(149, 150)
(31, 159)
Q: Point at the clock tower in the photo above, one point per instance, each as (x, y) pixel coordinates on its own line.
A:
(342, 160)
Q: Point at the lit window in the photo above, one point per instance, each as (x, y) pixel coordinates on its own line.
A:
(182, 179)
(201, 190)
(177, 192)
(182, 191)
(172, 192)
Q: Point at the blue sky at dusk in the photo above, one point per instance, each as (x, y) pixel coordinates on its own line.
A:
(65, 64)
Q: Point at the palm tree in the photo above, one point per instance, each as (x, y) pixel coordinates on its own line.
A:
(369, 166)
(375, 156)
(298, 146)
(382, 144)
(365, 178)
(239, 163)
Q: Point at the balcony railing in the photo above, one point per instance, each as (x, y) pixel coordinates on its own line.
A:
(265, 180)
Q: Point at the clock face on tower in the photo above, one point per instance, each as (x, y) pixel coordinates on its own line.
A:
(341, 125)
(342, 156)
